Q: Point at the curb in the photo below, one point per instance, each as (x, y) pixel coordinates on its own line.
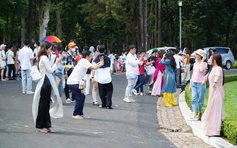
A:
(197, 127)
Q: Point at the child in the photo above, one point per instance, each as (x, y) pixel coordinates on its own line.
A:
(117, 65)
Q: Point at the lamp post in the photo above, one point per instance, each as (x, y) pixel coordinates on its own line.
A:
(180, 25)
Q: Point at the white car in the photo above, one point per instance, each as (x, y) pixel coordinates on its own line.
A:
(225, 52)
(149, 52)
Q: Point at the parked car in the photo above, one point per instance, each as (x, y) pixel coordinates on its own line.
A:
(225, 52)
(149, 52)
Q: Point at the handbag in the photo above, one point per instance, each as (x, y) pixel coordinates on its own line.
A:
(150, 70)
(82, 86)
(35, 74)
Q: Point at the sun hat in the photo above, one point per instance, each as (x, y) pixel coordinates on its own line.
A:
(2, 46)
(72, 44)
(201, 53)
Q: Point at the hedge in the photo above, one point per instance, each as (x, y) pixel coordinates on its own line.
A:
(229, 126)
(234, 65)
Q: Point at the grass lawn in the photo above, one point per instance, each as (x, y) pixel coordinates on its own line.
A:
(235, 64)
(230, 103)
(230, 100)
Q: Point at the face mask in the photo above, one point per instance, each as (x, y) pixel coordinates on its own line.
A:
(73, 49)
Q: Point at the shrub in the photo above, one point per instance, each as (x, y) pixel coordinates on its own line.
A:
(230, 78)
(230, 130)
(234, 65)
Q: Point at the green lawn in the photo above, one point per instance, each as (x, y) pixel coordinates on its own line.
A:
(235, 64)
(231, 100)
(230, 103)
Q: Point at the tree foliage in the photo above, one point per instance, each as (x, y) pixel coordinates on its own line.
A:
(116, 22)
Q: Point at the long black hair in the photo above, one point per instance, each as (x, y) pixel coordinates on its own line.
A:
(44, 46)
(217, 57)
(172, 60)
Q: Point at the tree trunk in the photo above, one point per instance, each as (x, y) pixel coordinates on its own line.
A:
(159, 23)
(132, 29)
(150, 36)
(141, 27)
(59, 25)
(12, 29)
(145, 25)
(5, 36)
(31, 20)
(23, 26)
(228, 26)
(156, 24)
(44, 18)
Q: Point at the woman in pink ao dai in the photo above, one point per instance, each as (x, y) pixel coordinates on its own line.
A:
(214, 113)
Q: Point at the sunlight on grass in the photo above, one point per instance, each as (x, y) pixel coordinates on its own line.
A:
(230, 100)
(234, 65)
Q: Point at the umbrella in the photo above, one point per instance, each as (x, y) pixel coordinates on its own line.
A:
(51, 39)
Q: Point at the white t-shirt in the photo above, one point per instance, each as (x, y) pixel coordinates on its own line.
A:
(25, 55)
(79, 72)
(103, 76)
(36, 50)
(10, 56)
(112, 57)
(178, 60)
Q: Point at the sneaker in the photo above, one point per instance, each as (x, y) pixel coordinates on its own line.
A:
(131, 99)
(135, 92)
(101, 106)
(95, 103)
(23, 92)
(194, 119)
(3, 79)
(73, 101)
(142, 94)
(126, 99)
(68, 100)
(29, 92)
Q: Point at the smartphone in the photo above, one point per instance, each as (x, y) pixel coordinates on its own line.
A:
(56, 52)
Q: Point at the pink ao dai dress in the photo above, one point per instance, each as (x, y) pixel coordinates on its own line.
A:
(214, 113)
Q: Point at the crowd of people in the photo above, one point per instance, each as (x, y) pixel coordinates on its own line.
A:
(73, 71)
(167, 78)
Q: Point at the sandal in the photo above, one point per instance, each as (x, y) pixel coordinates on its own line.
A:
(85, 116)
(42, 130)
(77, 117)
(50, 130)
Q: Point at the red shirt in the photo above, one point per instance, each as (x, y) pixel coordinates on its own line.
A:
(142, 70)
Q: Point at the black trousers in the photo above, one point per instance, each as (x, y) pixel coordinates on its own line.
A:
(11, 69)
(105, 92)
(66, 88)
(43, 118)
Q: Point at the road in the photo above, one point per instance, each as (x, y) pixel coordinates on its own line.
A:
(230, 72)
(126, 126)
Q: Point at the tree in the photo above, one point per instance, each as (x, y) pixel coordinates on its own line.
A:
(31, 20)
(141, 26)
(145, 25)
(44, 8)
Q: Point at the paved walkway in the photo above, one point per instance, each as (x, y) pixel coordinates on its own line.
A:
(173, 125)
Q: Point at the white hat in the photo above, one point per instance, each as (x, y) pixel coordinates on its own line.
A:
(2, 46)
(202, 53)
